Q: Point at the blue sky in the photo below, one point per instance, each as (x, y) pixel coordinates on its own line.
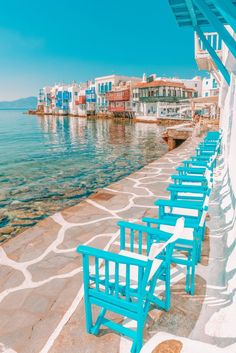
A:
(43, 42)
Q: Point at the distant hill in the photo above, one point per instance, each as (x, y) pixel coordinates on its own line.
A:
(22, 103)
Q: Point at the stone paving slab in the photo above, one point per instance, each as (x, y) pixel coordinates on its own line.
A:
(41, 294)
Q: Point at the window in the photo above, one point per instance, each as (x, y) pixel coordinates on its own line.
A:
(214, 83)
(110, 86)
(206, 82)
(206, 94)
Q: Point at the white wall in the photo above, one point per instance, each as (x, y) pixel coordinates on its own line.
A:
(208, 88)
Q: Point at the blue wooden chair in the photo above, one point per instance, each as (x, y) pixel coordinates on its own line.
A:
(188, 192)
(189, 180)
(125, 283)
(191, 210)
(190, 242)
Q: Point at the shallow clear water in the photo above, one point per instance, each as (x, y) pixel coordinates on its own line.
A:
(49, 163)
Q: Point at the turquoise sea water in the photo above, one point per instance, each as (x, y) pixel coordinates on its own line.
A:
(49, 163)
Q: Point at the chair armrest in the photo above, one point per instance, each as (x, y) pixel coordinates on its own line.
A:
(197, 205)
(109, 256)
(169, 222)
(191, 170)
(190, 178)
(188, 223)
(144, 229)
(187, 188)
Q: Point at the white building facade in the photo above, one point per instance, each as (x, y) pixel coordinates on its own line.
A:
(210, 86)
(106, 84)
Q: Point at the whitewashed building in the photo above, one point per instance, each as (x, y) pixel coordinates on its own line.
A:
(106, 84)
(210, 86)
(156, 98)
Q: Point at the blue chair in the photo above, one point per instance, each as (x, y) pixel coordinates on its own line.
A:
(189, 180)
(188, 192)
(125, 283)
(190, 242)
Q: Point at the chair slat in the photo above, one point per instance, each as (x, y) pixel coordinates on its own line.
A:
(117, 279)
(97, 273)
(132, 240)
(127, 287)
(106, 276)
(140, 242)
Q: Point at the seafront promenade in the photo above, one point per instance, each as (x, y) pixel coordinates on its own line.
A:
(41, 292)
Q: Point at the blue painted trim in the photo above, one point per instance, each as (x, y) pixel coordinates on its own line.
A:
(219, 27)
(228, 11)
(189, 5)
(213, 54)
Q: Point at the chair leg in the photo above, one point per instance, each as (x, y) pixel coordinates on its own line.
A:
(187, 286)
(88, 313)
(99, 321)
(168, 292)
(137, 345)
(187, 279)
(192, 289)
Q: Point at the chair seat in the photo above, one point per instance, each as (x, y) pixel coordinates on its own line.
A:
(190, 194)
(187, 233)
(181, 211)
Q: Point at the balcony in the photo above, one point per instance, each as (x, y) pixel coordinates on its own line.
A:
(81, 100)
(116, 109)
(123, 95)
(202, 57)
(169, 99)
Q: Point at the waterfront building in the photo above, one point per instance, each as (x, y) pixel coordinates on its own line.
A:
(41, 100)
(195, 83)
(158, 98)
(81, 101)
(44, 100)
(120, 100)
(73, 90)
(63, 99)
(105, 84)
(210, 86)
(91, 99)
(60, 96)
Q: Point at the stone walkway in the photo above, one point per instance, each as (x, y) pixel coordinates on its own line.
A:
(41, 295)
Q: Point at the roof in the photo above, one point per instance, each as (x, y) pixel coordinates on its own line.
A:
(160, 83)
(121, 77)
(210, 99)
(182, 12)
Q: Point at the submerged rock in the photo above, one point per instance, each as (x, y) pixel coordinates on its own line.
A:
(6, 230)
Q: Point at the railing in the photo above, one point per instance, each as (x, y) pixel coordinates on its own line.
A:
(116, 109)
(80, 100)
(123, 95)
(213, 39)
(153, 99)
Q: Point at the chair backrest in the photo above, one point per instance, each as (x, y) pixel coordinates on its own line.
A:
(206, 202)
(203, 217)
(208, 176)
(136, 237)
(113, 282)
(158, 248)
